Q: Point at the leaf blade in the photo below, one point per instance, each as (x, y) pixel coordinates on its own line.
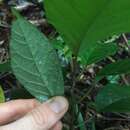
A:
(34, 61)
(84, 23)
(99, 52)
(113, 98)
(119, 67)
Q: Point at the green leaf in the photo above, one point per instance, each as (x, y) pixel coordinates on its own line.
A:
(5, 67)
(80, 120)
(119, 67)
(91, 124)
(2, 97)
(34, 61)
(98, 52)
(113, 98)
(83, 23)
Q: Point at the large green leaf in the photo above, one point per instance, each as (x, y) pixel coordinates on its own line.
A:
(113, 98)
(84, 23)
(2, 96)
(98, 52)
(119, 67)
(34, 61)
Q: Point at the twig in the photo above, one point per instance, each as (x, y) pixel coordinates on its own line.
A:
(86, 95)
(116, 119)
(124, 79)
(126, 41)
(122, 76)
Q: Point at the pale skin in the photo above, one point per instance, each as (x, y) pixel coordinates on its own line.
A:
(32, 115)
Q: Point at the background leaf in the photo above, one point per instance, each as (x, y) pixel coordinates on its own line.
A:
(119, 67)
(34, 61)
(91, 124)
(84, 23)
(2, 97)
(113, 98)
(98, 52)
(80, 120)
(71, 18)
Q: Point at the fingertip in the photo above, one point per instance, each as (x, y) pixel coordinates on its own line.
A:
(58, 104)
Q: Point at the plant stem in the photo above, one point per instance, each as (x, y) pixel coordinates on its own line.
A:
(73, 74)
(73, 71)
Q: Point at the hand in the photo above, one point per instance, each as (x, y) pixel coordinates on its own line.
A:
(32, 115)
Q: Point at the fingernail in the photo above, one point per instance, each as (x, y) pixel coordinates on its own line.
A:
(58, 104)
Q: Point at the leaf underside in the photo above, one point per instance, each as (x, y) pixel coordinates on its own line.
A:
(34, 61)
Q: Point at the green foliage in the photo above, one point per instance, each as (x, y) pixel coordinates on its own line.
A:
(34, 61)
(63, 50)
(113, 98)
(119, 67)
(80, 120)
(84, 23)
(91, 125)
(2, 97)
(98, 52)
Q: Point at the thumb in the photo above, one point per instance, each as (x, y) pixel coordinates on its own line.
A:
(43, 117)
